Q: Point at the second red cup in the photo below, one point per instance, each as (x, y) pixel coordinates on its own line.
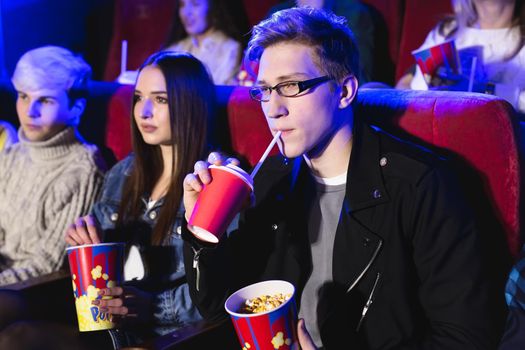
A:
(219, 202)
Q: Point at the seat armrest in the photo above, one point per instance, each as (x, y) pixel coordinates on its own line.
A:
(200, 335)
(37, 282)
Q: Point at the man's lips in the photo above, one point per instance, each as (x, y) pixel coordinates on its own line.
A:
(284, 132)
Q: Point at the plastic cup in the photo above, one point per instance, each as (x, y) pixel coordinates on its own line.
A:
(269, 330)
(219, 202)
(94, 267)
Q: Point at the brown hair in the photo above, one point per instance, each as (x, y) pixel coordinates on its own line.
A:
(326, 33)
(191, 96)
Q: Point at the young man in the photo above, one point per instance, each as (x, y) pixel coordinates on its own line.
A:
(51, 176)
(372, 231)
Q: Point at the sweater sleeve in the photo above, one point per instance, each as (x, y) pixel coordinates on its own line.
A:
(43, 251)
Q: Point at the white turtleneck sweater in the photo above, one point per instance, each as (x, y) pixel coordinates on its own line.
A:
(44, 187)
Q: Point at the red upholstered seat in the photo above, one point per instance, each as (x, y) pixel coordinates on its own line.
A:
(418, 20)
(118, 127)
(392, 13)
(145, 25)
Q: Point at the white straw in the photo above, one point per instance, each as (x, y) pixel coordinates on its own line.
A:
(472, 72)
(123, 56)
(265, 154)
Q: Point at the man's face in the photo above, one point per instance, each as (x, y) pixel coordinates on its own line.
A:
(43, 113)
(308, 120)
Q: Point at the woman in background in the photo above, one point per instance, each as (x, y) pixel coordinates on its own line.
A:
(493, 31)
(205, 29)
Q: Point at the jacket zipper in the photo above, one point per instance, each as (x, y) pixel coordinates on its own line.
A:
(366, 267)
(196, 266)
(368, 302)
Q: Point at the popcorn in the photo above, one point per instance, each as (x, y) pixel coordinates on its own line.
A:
(264, 303)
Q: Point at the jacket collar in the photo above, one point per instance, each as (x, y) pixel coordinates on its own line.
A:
(364, 186)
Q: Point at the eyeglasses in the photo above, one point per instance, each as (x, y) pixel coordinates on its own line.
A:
(286, 88)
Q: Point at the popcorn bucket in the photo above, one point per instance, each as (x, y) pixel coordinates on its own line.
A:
(219, 202)
(94, 267)
(431, 58)
(266, 330)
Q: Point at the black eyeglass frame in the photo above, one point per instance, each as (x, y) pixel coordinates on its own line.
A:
(302, 85)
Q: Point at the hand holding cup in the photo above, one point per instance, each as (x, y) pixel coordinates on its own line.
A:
(194, 182)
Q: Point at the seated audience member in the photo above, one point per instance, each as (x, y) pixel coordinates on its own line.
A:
(360, 20)
(492, 32)
(141, 202)
(372, 230)
(514, 335)
(7, 135)
(204, 29)
(51, 176)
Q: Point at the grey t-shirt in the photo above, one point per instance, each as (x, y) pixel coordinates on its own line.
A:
(322, 225)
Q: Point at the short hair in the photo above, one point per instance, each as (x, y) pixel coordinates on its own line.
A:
(52, 67)
(328, 34)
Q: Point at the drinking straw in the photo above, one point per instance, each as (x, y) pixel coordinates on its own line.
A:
(123, 56)
(472, 72)
(265, 154)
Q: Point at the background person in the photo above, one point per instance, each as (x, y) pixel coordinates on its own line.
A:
(51, 176)
(493, 32)
(205, 29)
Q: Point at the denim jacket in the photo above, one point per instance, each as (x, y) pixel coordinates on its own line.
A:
(174, 307)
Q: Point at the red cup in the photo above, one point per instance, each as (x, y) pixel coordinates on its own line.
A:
(219, 202)
(94, 267)
(269, 330)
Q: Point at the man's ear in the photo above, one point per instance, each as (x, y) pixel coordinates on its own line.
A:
(77, 109)
(348, 91)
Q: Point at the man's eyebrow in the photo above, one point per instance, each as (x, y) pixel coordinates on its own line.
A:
(287, 77)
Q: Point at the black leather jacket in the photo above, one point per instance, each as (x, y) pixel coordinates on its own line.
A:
(407, 268)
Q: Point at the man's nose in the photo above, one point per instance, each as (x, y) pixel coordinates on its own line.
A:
(275, 107)
(34, 110)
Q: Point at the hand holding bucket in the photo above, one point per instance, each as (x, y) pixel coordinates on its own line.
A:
(94, 267)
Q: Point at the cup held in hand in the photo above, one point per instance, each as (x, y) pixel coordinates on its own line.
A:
(219, 202)
(94, 267)
(267, 330)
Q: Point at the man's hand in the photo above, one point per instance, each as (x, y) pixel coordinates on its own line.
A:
(194, 182)
(305, 340)
(85, 230)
